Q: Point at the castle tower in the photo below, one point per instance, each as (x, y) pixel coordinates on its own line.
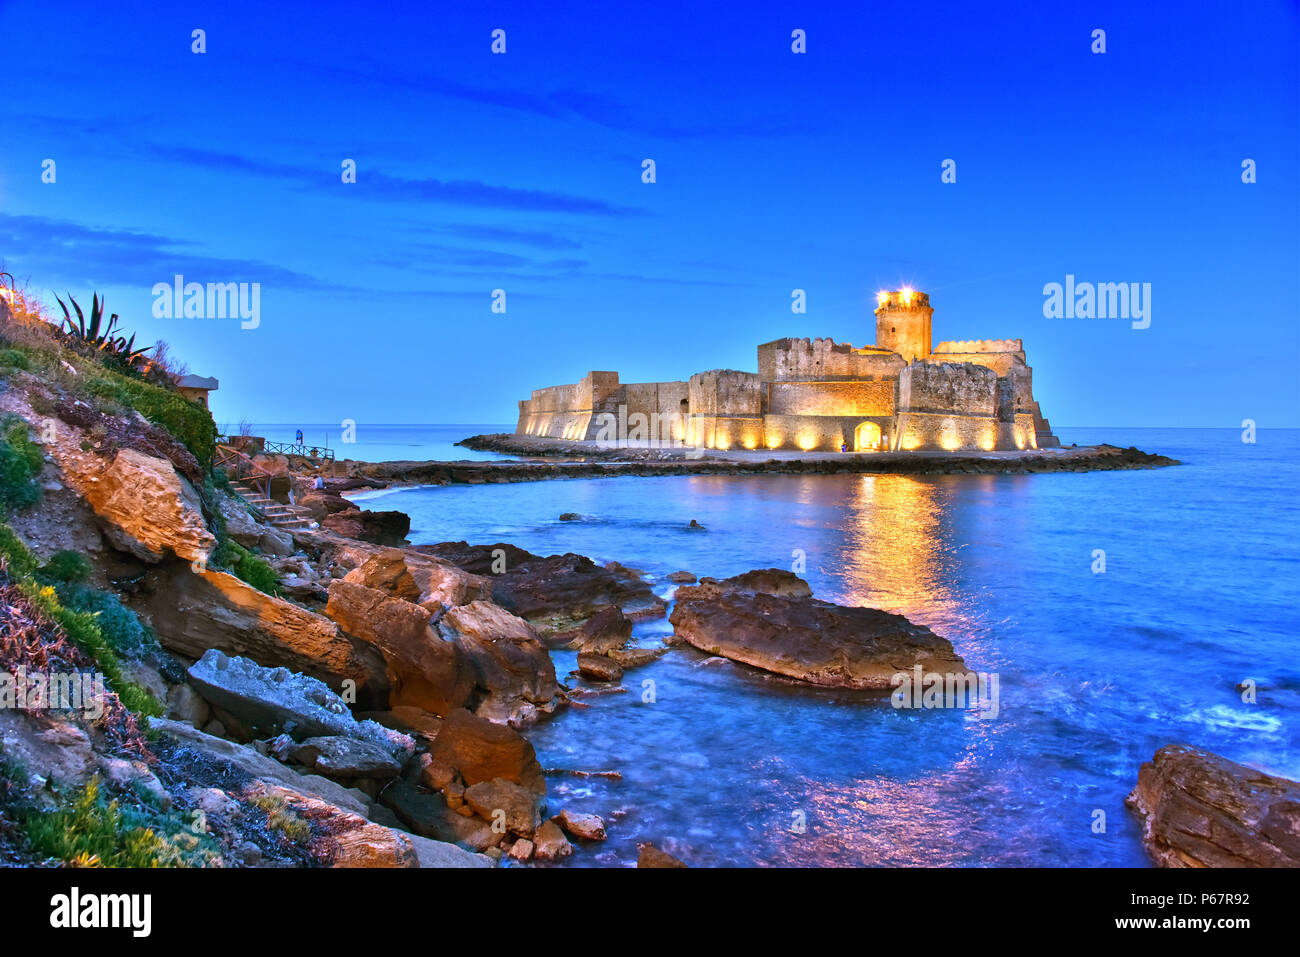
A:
(903, 323)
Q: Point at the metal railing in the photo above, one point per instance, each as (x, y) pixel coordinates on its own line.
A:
(321, 452)
(306, 451)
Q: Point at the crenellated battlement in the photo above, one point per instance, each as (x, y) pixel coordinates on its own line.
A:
(978, 346)
(818, 394)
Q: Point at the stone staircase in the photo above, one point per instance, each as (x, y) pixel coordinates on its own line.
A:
(288, 517)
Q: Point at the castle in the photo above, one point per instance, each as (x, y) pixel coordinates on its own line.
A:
(820, 395)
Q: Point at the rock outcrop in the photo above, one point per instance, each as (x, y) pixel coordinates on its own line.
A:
(513, 670)
(481, 750)
(275, 701)
(193, 611)
(144, 506)
(554, 593)
(803, 638)
(1202, 810)
(423, 670)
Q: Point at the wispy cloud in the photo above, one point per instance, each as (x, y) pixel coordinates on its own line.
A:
(61, 251)
(384, 187)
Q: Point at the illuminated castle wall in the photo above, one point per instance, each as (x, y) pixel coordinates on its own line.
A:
(816, 394)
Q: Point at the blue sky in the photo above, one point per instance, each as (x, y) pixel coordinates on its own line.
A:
(775, 171)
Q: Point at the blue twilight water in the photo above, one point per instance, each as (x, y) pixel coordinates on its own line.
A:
(382, 443)
(1097, 671)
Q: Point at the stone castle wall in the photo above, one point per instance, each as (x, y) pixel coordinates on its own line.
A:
(809, 359)
(818, 394)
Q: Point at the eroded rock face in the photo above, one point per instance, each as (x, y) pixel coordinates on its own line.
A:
(482, 750)
(513, 669)
(441, 583)
(194, 611)
(144, 506)
(423, 670)
(801, 637)
(1202, 810)
(556, 593)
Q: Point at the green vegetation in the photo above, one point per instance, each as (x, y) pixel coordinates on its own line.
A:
(188, 422)
(120, 628)
(14, 359)
(280, 817)
(20, 464)
(246, 566)
(88, 831)
(99, 335)
(82, 627)
(67, 566)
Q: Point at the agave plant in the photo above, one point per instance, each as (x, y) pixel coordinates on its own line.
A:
(98, 334)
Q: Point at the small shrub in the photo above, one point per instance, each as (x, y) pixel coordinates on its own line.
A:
(188, 422)
(67, 566)
(20, 463)
(17, 557)
(246, 566)
(88, 831)
(14, 359)
(120, 627)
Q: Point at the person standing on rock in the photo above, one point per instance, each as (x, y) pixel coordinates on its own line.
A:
(297, 437)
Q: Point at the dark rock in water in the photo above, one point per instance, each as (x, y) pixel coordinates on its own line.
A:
(479, 559)
(379, 528)
(770, 581)
(606, 631)
(1202, 810)
(481, 751)
(570, 517)
(650, 856)
(598, 668)
(683, 577)
(696, 526)
(556, 593)
(800, 637)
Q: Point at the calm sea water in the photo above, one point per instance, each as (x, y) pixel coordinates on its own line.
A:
(382, 443)
(1200, 591)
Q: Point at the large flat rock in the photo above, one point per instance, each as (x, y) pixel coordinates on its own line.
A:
(801, 637)
(1202, 810)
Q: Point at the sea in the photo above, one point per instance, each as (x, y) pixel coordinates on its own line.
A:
(1119, 611)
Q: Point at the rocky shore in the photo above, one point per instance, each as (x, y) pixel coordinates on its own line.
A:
(559, 459)
(328, 695)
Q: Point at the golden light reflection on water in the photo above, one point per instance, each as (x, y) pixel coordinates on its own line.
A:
(894, 545)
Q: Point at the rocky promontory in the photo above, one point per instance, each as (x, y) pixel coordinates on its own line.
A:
(1201, 810)
(769, 620)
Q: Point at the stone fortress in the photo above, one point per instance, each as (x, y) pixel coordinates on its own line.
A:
(819, 395)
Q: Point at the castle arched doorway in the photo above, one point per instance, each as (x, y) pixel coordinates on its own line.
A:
(866, 438)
